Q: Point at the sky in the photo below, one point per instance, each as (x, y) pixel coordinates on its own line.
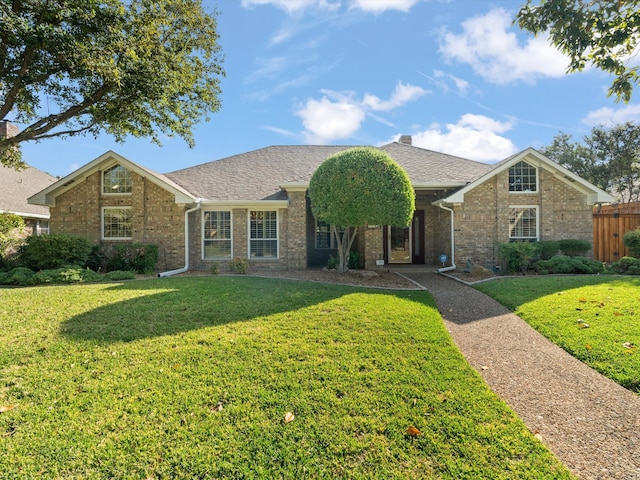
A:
(456, 75)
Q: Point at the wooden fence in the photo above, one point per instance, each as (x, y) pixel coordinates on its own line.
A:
(610, 223)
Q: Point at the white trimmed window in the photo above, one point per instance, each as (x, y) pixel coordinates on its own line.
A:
(216, 234)
(523, 178)
(116, 223)
(523, 224)
(116, 180)
(263, 234)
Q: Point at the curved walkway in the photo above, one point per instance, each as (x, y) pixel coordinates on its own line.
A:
(591, 423)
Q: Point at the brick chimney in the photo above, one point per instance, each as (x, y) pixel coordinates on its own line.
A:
(406, 139)
(8, 129)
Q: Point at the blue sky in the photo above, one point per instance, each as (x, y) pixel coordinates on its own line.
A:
(456, 75)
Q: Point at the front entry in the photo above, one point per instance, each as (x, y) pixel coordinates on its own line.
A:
(406, 244)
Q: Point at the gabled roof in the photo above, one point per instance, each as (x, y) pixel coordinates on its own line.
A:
(533, 157)
(17, 186)
(258, 175)
(49, 194)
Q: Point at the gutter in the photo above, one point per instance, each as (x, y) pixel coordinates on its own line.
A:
(453, 242)
(186, 244)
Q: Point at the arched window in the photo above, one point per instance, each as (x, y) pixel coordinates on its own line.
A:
(116, 179)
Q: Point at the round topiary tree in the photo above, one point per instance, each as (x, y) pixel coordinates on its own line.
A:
(359, 187)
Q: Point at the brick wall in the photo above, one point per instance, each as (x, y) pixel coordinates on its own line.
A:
(155, 216)
(482, 221)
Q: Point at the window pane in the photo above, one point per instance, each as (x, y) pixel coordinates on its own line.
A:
(323, 234)
(523, 223)
(217, 234)
(117, 223)
(263, 230)
(116, 179)
(522, 177)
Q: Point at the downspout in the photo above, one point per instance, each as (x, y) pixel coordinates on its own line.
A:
(453, 243)
(186, 244)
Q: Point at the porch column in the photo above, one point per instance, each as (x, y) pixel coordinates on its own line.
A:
(373, 247)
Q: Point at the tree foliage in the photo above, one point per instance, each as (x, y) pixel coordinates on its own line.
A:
(599, 32)
(608, 158)
(11, 227)
(359, 187)
(130, 67)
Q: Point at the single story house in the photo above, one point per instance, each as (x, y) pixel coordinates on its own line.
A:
(16, 186)
(255, 205)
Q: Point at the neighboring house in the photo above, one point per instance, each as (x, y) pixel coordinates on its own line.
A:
(255, 205)
(16, 186)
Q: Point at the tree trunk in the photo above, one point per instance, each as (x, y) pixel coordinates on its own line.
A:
(344, 241)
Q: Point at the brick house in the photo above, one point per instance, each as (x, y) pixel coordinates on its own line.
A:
(255, 205)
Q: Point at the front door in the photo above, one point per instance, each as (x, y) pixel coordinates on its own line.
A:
(406, 244)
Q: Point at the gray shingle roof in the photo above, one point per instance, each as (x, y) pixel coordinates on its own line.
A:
(257, 175)
(17, 186)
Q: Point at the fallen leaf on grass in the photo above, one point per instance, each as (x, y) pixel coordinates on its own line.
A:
(289, 417)
(413, 431)
(588, 347)
(6, 408)
(582, 300)
(617, 314)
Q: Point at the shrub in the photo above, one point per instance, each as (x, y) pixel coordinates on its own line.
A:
(11, 229)
(516, 256)
(547, 249)
(354, 261)
(18, 276)
(214, 268)
(565, 264)
(117, 275)
(574, 247)
(631, 240)
(67, 274)
(332, 263)
(628, 265)
(240, 265)
(139, 258)
(42, 252)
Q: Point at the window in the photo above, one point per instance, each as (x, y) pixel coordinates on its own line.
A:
(116, 223)
(523, 224)
(217, 234)
(263, 234)
(323, 235)
(116, 180)
(523, 178)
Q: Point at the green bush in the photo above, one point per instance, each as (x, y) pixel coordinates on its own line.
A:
(215, 268)
(42, 252)
(18, 276)
(139, 258)
(516, 256)
(631, 240)
(627, 265)
(546, 249)
(67, 274)
(240, 265)
(11, 228)
(354, 261)
(332, 263)
(117, 275)
(565, 264)
(573, 247)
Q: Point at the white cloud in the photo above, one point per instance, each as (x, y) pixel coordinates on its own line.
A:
(379, 6)
(325, 120)
(474, 136)
(609, 116)
(402, 94)
(495, 53)
(339, 115)
(294, 6)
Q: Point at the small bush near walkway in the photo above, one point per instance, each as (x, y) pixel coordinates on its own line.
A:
(43, 252)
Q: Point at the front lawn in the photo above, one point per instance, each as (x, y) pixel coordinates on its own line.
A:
(236, 377)
(594, 318)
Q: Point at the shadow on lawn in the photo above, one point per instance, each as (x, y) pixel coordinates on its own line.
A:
(169, 306)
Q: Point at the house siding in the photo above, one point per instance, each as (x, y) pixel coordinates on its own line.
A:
(482, 221)
(156, 218)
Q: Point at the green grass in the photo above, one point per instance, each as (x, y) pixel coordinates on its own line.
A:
(594, 318)
(124, 381)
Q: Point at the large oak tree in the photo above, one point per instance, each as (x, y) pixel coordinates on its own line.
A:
(359, 187)
(134, 67)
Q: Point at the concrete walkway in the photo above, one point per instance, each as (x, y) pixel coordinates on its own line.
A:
(590, 423)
